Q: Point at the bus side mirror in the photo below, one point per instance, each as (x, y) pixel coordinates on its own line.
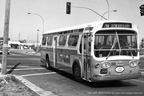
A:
(89, 39)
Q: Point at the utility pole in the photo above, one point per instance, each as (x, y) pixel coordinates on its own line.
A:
(108, 9)
(37, 37)
(19, 36)
(5, 37)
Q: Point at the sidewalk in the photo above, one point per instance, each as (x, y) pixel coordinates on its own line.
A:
(11, 86)
(36, 90)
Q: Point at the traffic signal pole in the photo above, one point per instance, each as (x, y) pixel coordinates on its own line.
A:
(5, 37)
(68, 9)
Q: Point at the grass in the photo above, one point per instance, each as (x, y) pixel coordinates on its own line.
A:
(10, 86)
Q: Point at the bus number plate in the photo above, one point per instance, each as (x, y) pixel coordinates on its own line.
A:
(119, 69)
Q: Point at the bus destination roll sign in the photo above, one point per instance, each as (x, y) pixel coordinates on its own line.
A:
(117, 25)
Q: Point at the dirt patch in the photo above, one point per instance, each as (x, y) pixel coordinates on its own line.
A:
(10, 86)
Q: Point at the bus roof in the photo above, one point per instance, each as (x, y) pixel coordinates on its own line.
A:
(86, 25)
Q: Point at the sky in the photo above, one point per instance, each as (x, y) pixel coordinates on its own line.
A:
(25, 26)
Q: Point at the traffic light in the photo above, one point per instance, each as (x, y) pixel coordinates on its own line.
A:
(142, 10)
(68, 7)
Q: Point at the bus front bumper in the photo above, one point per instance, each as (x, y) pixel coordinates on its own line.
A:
(115, 77)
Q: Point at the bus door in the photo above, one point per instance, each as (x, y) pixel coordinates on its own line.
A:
(55, 51)
(86, 57)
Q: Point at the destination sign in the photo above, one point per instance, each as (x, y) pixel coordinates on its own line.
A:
(117, 25)
(88, 28)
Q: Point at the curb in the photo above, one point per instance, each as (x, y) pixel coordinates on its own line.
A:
(8, 77)
(33, 87)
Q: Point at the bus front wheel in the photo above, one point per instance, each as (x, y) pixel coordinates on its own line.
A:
(77, 72)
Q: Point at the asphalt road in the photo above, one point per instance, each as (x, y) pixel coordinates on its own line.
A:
(63, 84)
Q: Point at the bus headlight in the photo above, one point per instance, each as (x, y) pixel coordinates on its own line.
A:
(105, 65)
(133, 63)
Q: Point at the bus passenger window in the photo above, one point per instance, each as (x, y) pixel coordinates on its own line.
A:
(44, 41)
(73, 39)
(49, 40)
(62, 40)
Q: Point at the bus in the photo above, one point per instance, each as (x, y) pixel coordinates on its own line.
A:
(97, 51)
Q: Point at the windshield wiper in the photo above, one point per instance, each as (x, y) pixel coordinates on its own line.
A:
(111, 48)
(116, 39)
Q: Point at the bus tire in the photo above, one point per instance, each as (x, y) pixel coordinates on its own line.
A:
(77, 72)
(47, 63)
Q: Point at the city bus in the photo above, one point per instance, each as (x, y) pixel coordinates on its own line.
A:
(97, 51)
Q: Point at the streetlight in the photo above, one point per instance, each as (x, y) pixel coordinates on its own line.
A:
(90, 10)
(108, 12)
(41, 18)
(108, 8)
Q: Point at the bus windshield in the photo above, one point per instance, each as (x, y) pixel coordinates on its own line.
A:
(115, 42)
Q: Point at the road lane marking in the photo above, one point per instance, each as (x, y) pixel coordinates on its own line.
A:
(49, 73)
(26, 69)
(17, 66)
(138, 80)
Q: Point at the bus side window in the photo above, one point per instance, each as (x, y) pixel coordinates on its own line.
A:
(73, 39)
(62, 40)
(44, 41)
(49, 40)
